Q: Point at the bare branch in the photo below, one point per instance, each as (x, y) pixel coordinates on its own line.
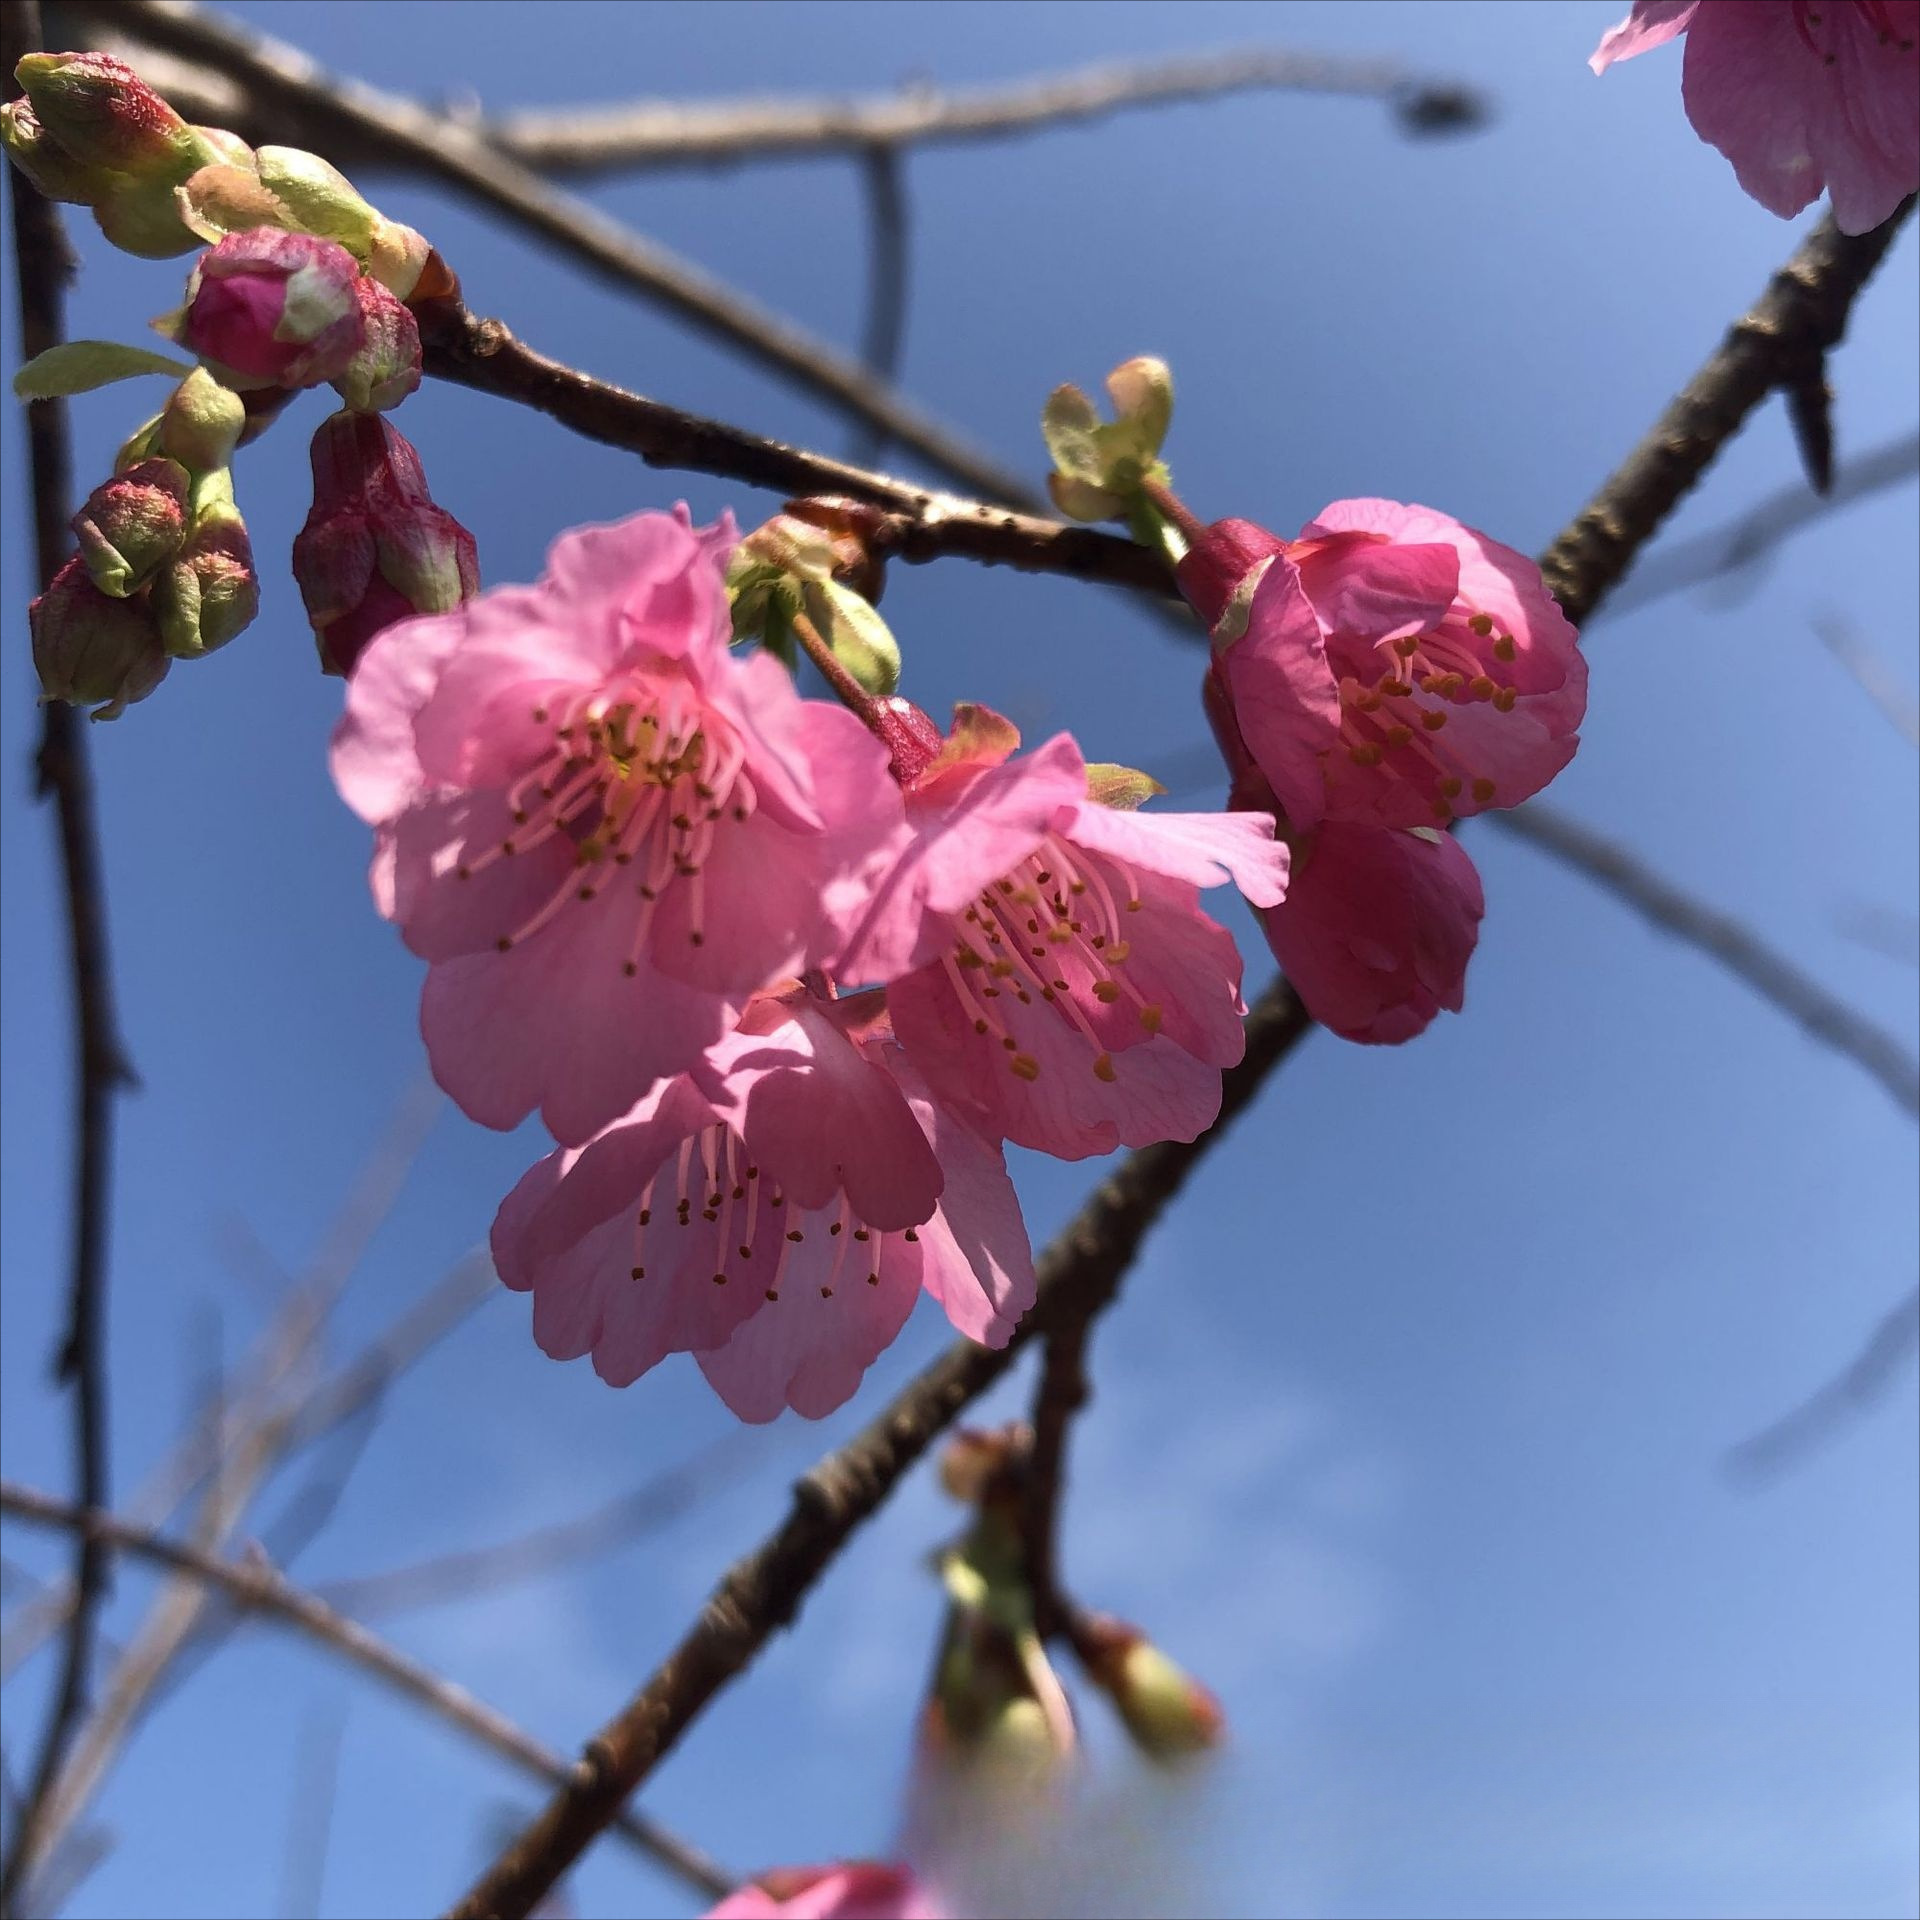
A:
(1062, 1392)
(885, 175)
(1842, 639)
(316, 1784)
(1082, 1269)
(656, 135)
(1824, 1413)
(478, 1570)
(255, 1587)
(303, 103)
(1741, 951)
(1732, 550)
(42, 266)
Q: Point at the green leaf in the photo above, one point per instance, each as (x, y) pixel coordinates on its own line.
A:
(78, 366)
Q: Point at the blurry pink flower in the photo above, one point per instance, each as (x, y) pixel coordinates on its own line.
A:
(375, 548)
(1051, 968)
(1799, 96)
(853, 1890)
(1377, 928)
(273, 308)
(602, 829)
(1390, 666)
(775, 1212)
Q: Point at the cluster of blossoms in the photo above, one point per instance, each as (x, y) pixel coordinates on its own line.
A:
(1802, 96)
(779, 983)
(302, 284)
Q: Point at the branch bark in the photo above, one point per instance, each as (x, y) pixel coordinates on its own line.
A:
(43, 265)
(1081, 1271)
(257, 1588)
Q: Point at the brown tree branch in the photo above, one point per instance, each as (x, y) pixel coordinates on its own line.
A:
(42, 265)
(1737, 948)
(1062, 1392)
(257, 1588)
(884, 173)
(655, 135)
(303, 103)
(1081, 1270)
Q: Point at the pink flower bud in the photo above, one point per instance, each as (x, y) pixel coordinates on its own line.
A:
(387, 367)
(132, 525)
(375, 547)
(103, 113)
(1167, 1711)
(89, 647)
(274, 309)
(209, 591)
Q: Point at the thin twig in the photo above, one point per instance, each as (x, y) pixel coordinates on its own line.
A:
(1822, 1414)
(921, 524)
(1082, 1269)
(1841, 638)
(1743, 545)
(258, 1588)
(300, 100)
(43, 265)
(316, 1785)
(886, 330)
(1741, 951)
(655, 135)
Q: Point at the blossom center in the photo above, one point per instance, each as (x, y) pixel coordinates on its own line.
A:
(1050, 930)
(640, 782)
(711, 1208)
(1394, 703)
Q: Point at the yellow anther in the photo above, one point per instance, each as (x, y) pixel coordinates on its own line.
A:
(1481, 625)
(1396, 689)
(1025, 1066)
(1398, 736)
(1442, 812)
(1504, 648)
(1483, 790)
(1103, 1067)
(1150, 1017)
(1504, 700)
(1059, 934)
(1105, 992)
(1365, 754)
(968, 958)
(1119, 950)
(1000, 968)
(1450, 787)
(1480, 687)
(1407, 646)
(1433, 721)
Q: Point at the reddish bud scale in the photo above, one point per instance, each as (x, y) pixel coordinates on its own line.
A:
(101, 111)
(91, 649)
(275, 308)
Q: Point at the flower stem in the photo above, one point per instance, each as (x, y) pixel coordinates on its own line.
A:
(851, 694)
(1191, 527)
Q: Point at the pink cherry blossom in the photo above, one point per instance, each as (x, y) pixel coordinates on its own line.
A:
(602, 829)
(853, 1890)
(1391, 666)
(1800, 97)
(776, 1212)
(1377, 928)
(1051, 969)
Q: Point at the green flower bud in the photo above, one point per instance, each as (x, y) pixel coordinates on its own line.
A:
(202, 423)
(91, 650)
(1168, 1712)
(209, 592)
(132, 524)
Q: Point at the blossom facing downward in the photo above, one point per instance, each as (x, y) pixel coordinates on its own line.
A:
(1377, 928)
(775, 1212)
(1802, 96)
(375, 548)
(1391, 666)
(602, 829)
(1051, 968)
(852, 1890)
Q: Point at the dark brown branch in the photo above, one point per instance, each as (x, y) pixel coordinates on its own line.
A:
(1082, 1269)
(921, 524)
(42, 266)
(1803, 312)
(1062, 1392)
(1741, 951)
(304, 104)
(257, 1588)
(653, 135)
(1744, 543)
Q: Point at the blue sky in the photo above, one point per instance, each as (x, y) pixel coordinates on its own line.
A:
(1408, 1434)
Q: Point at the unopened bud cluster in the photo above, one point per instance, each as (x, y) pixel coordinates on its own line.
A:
(303, 283)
